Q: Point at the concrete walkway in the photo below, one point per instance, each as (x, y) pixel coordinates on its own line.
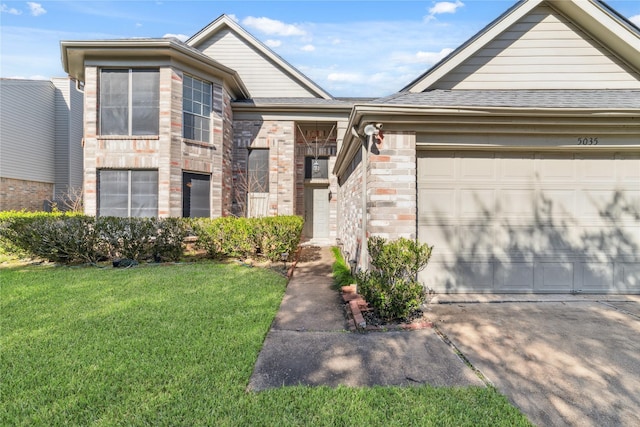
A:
(309, 342)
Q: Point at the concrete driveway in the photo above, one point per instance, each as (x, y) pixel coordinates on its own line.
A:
(563, 361)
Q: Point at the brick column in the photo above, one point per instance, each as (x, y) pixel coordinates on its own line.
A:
(391, 187)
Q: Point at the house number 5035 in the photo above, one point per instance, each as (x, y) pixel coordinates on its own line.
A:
(588, 140)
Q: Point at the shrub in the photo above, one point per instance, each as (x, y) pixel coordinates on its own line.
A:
(277, 235)
(169, 242)
(391, 286)
(130, 238)
(52, 236)
(226, 236)
(240, 237)
(341, 270)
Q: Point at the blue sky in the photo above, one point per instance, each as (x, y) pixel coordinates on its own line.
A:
(350, 48)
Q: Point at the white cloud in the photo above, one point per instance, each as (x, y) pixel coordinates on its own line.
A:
(431, 58)
(180, 37)
(233, 17)
(345, 77)
(635, 20)
(443, 7)
(272, 27)
(273, 43)
(36, 9)
(10, 10)
(308, 48)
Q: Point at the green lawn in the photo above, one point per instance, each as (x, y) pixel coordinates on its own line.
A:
(175, 345)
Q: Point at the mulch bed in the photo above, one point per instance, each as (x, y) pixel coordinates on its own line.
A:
(362, 318)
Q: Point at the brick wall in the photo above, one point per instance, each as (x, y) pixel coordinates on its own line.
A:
(391, 187)
(18, 194)
(279, 138)
(349, 207)
(169, 152)
(391, 193)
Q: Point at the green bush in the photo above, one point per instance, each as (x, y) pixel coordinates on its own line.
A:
(391, 286)
(169, 242)
(277, 235)
(70, 238)
(341, 270)
(226, 236)
(55, 237)
(130, 238)
(241, 237)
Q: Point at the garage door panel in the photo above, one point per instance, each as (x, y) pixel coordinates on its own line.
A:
(475, 167)
(517, 167)
(554, 167)
(439, 166)
(597, 170)
(514, 277)
(440, 203)
(477, 203)
(593, 275)
(628, 169)
(553, 277)
(627, 276)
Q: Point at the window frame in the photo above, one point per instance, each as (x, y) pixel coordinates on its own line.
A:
(138, 100)
(262, 173)
(130, 195)
(197, 132)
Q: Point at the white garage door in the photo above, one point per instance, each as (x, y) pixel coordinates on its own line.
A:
(530, 222)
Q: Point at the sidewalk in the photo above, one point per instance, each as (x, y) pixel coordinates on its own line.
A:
(309, 342)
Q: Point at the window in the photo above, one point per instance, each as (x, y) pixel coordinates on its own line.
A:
(129, 102)
(196, 198)
(196, 106)
(258, 176)
(126, 193)
(316, 168)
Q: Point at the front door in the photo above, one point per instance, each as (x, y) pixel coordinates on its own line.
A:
(316, 208)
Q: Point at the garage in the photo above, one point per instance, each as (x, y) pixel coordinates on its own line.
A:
(530, 221)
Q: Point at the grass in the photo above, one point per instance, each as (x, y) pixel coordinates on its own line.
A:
(341, 270)
(176, 345)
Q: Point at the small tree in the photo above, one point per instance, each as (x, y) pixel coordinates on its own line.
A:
(391, 286)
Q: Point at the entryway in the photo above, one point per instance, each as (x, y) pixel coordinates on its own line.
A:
(316, 213)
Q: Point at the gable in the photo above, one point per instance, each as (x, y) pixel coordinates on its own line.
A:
(264, 73)
(544, 44)
(543, 50)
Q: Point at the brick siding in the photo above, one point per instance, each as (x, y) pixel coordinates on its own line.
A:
(18, 194)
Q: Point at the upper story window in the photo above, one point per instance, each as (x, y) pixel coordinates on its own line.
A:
(196, 106)
(129, 102)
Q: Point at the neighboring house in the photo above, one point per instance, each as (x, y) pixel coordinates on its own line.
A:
(518, 156)
(40, 142)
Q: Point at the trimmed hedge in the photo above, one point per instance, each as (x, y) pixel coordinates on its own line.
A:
(73, 238)
(269, 237)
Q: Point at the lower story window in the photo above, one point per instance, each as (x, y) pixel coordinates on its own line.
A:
(128, 193)
(196, 195)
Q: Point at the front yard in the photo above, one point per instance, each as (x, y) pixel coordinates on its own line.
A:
(176, 345)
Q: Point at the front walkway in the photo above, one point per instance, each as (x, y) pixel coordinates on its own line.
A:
(309, 342)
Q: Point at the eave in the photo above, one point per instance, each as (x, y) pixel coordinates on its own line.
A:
(76, 53)
(463, 119)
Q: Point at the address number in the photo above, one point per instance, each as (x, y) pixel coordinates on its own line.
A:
(588, 141)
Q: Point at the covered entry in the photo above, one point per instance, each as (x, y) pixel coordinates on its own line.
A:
(524, 221)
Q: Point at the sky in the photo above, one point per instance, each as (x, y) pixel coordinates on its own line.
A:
(349, 48)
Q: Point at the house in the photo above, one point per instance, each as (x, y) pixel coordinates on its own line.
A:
(40, 142)
(517, 156)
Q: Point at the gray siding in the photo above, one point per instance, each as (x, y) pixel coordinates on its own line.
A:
(68, 136)
(27, 137)
(262, 77)
(542, 51)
